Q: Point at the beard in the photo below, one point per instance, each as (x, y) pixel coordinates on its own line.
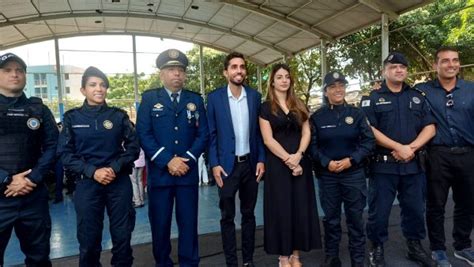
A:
(237, 82)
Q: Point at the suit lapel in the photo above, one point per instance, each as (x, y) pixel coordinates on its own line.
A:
(183, 101)
(251, 108)
(165, 99)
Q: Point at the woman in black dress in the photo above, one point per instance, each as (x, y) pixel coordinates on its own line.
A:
(291, 221)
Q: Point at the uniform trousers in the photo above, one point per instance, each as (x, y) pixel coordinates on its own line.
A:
(410, 191)
(91, 199)
(350, 189)
(29, 216)
(161, 200)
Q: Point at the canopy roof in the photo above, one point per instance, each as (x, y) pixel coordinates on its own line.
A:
(263, 30)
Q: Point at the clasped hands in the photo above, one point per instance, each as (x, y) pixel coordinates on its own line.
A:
(293, 162)
(20, 185)
(104, 175)
(404, 153)
(178, 166)
(338, 166)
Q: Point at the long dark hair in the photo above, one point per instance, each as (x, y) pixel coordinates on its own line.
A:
(294, 104)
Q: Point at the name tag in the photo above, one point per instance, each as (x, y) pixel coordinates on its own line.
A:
(80, 126)
(328, 126)
(384, 103)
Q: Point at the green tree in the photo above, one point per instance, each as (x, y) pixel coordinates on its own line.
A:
(417, 34)
(306, 68)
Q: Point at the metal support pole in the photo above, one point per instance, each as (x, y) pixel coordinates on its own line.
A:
(135, 76)
(324, 61)
(385, 36)
(324, 64)
(59, 80)
(201, 72)
(259, 78)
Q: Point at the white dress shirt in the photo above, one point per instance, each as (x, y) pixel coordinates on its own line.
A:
(239, 112)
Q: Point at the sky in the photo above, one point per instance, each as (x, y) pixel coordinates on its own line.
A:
(110, 53)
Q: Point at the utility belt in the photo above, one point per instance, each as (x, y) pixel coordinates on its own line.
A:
(387, 159)
(420, 157)
(453, 149)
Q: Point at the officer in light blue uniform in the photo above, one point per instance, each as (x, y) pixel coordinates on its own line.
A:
(341, 141)
(402, 125)
(173, 131)
(99, 144)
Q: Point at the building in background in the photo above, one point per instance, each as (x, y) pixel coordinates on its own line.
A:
(42, 82)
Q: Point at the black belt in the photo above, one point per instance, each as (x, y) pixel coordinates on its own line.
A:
(453, 149)
(389, 159)
(242, 158)
(385, 158)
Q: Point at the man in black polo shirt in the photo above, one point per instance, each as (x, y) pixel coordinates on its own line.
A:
(451, 156)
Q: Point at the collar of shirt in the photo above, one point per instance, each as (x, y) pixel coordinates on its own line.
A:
(95, 108)
(12, 100)
(242, 94)
(459, 84)
(384, 88)
(169, 92)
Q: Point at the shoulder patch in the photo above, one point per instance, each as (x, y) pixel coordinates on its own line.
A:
(71, 110)
(193, 92)
(35, 100)
(147, 91)
(365, 103)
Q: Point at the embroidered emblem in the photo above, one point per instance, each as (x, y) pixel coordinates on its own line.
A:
(349, 120)
(191, 107)
(173, 53)
(108, 124)
(33, 123)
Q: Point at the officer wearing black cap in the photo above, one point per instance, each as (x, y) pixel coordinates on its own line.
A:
(340, 144)
(99, 144)
(402, 125)
(172, 127)
(28, 139)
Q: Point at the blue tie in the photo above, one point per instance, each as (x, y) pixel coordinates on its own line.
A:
(175, 99)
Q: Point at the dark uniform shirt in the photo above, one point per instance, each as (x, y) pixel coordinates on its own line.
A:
(399, 116)
(453, 111)
(48, 132)
(94, 137)
(340, 131)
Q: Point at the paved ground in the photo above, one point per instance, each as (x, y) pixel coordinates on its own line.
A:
(211, 249)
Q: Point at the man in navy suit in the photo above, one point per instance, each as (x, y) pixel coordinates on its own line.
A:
(236, 155)
(173, 132)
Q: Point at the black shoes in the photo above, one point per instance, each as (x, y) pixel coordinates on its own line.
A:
(416, 253)
(376, 258)
(331, 261)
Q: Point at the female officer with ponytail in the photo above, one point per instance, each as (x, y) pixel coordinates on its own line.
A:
(341, 140)
(99, 144)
